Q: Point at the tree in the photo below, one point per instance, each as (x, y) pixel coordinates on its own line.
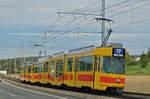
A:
(143, 60)
(148, 55)
(133, 63)
(127, 58)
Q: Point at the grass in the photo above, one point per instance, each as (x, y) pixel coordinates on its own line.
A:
(138, 70)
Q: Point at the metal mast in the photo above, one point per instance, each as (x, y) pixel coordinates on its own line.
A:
(45, 43)
(103, 21)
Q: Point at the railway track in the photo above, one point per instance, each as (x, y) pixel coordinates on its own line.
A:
(78, 93)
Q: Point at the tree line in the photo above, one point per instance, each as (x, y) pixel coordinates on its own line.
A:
(143, 60)
(10, 65)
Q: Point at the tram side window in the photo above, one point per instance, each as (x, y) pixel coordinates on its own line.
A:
(81, 64)
(36, 70)
(40, 68)
(89, 63)
(99, 62)
(95, 63)
(86, 63)
(24, 69)
(52, 68)
(59, 68)
(106, 64)
(29, 69)
(70, 64)
(46, 67)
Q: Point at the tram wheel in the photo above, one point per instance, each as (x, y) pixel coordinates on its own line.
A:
(114, 91)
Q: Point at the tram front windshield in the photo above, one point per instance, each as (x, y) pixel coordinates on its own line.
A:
(115, 65)
(118, 65)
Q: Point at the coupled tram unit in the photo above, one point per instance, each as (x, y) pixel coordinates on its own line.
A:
(89, 67)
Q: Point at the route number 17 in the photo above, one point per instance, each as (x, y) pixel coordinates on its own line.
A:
(118, 51)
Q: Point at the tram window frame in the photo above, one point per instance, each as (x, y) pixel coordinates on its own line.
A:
(95, 63)
(107, 70)
(32, 69)
(69, 64)
(46, 64)
(99, 63)
(84, 63)
(76, 64)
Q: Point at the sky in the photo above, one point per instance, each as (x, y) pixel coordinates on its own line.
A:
(24, 22)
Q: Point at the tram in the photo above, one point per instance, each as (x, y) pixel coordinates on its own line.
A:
(101, 68)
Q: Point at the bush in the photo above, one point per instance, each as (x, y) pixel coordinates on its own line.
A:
(127, 58)
(133, 63)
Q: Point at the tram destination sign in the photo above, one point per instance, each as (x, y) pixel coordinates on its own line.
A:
(118, 52)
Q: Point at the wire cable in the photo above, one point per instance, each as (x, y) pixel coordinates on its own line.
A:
(135, 22)
(128, 10)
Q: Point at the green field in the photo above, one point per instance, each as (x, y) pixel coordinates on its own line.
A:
(138, 70)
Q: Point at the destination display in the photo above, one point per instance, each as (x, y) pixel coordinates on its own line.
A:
(118, 52)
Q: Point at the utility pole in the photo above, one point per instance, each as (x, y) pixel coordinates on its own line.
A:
(15, 66)
(103, 21)
(9, 65)
(24, 57)
(45, 43)
(24, 52)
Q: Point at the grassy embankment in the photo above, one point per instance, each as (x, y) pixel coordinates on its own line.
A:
(138, 70)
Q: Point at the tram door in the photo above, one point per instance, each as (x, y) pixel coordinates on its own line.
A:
(56, 72)
(59, 72)
(32, 73)
(76, 62)
(96, 72)
(25, 72)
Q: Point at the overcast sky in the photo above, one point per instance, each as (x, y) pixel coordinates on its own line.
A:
(23, 22)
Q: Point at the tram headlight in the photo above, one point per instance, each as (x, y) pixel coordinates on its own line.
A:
(118, 80)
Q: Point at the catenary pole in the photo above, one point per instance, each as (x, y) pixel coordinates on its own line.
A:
(103, 21)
